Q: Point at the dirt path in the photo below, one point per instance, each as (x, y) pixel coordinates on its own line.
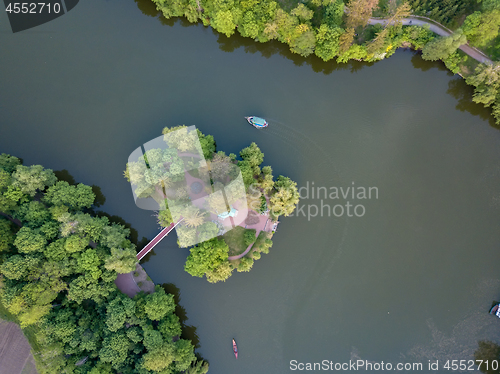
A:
(438, 29)
(259, 226)
(129, 283)
(231, 258)
(15, 351)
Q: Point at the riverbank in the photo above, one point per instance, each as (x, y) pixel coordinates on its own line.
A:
(134, 282)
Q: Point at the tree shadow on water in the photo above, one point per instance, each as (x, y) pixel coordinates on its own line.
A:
(188, 332)
(419, 63)
(268, 49)
(147, 7)
(489, 353)
(463, 93)
(64, 175)
(457, 88)
(274, 47)
(100, 199)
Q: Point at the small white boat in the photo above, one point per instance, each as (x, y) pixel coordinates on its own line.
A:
(257, 122)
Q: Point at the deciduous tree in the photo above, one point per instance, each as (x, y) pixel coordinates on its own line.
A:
(441, 47)
(75, 197)
(30, 179)
(206, 256)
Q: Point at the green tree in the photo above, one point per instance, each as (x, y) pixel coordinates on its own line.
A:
(6, 235)
(328, 42)
(158, 304)
(304, 43)
(115, 349)
(184, 354)
(207, 143)
(75, 197)
(153, 339)
(441, 47)
(170, 327)
(90, 263)
(33, 214)
(220, 273)
(286, 197)
(252, 154)
(247, 172)
(160, 358)
(223, 21)
(486, 79)
(29, 240)
(249, 27)
(75, 244)
(16, 267)
(206, 256)
(481, 28)
(121, 260)
(9, 163)
(30, 179)
(249, 236)
(199, 368)
(302, 12)
(334, 11)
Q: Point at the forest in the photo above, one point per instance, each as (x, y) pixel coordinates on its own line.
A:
(58, 264)
(341, 30)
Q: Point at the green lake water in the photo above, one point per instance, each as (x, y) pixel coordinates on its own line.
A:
(410, 281)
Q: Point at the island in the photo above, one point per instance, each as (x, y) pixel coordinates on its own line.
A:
(225, 209)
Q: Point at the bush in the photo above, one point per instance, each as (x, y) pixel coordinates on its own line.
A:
(250, 236)
(136, 274)
(139, 284)
(263, 204)
(256, 255)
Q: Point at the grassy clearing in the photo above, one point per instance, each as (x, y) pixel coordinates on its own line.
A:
(235, 240)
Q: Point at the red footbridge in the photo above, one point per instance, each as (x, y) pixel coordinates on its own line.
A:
(156, 240)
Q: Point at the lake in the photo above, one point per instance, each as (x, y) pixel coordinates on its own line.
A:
(411, 280)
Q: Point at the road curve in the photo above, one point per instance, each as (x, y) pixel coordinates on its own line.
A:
(438, 29)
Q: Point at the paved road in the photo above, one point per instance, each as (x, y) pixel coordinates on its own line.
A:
(440, 30)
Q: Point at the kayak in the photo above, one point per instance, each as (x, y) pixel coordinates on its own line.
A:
(235, 349)
(257, 122)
